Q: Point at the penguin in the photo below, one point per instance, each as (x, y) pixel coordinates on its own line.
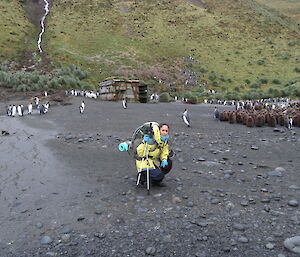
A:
(9, 110)
(14, 111)
(46, 93)
(82, 107)
(124, 103)
(36, 101)
(29, 108)
(19, 109)
(46, 107)
(186, 118)
(216, 113)
(22, 109)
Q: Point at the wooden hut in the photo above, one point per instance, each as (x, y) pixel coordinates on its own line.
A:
(117, 89)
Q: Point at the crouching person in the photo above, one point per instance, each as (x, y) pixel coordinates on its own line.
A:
(153, 154)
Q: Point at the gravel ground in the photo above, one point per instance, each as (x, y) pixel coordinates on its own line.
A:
(66, 190)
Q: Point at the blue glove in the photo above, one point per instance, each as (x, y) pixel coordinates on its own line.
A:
(164, 163)
(146, 138)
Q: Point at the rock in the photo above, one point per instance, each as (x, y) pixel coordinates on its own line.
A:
(46, 240)
(150, 250)
(100, 235)
(176, 199)
(211, 163)
(270, 246)
(243, 239)
(190, 204)
(65, 230)
(80, 218)
(280, 255)
(239, 227)
(276, 130)
(293, 203)
(294, 187)
(51, 254)
(215, 201)
(277, 172)
(39, 225)
(292, 244)
(244, 203)
(181, 160)
(253, 147)
(201, 159)
(65, 237)
(167, 239)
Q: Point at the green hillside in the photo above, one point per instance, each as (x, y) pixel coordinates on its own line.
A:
(230, 45)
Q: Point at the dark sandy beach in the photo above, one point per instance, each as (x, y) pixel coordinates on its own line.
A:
(66, 190)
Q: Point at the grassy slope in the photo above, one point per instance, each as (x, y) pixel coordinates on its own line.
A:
(290, 8)
(150, 38)
(16, 32)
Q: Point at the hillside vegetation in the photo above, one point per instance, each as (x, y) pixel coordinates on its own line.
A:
(232, 45)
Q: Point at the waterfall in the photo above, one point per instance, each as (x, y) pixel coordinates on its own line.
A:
(46, 7)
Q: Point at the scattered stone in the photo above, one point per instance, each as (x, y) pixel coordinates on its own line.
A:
(243, 239)
(176, 199)
(100, 235)
(292, 244)
(294, 187)
(80, 218)
(239, 227)
(253, 147)
(215, 201)
(65, 237)
(46, 240)
(150, 250)
(201, 159)
(293, 203)
(39, 225)
(244, 203)
(270, 246)
(190, 204)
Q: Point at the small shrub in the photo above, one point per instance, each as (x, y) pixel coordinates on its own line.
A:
(193, 99)
(164, 97)
(263, 81)
(212, 76)
(297, 69)
(247, 81)
(276, 81)
(215, 83)
(260, 62)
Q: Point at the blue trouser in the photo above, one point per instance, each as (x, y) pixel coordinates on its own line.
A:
(155, 175)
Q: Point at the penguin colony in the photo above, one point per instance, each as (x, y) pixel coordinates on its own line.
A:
(259, 116)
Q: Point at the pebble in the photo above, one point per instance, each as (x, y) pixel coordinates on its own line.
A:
(238, 226)
(39, 225)
(293, 203)
(65, 237)
(150, 250)
(190, 204)
(244, 203)
(292, 244)
(270, 246)
(46, 240)
(215, 201)
(243, 239)
(253, 147)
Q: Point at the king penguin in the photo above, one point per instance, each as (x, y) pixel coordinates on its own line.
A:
(186, 118)
(124, 103)
(216, 113)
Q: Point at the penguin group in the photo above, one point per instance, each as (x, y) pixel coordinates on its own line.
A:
(13, 110)
(83, 93)
(288, 117)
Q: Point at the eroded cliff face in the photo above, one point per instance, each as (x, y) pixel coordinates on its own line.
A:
(34, 10)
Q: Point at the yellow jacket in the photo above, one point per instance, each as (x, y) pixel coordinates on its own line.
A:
(157, 152)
